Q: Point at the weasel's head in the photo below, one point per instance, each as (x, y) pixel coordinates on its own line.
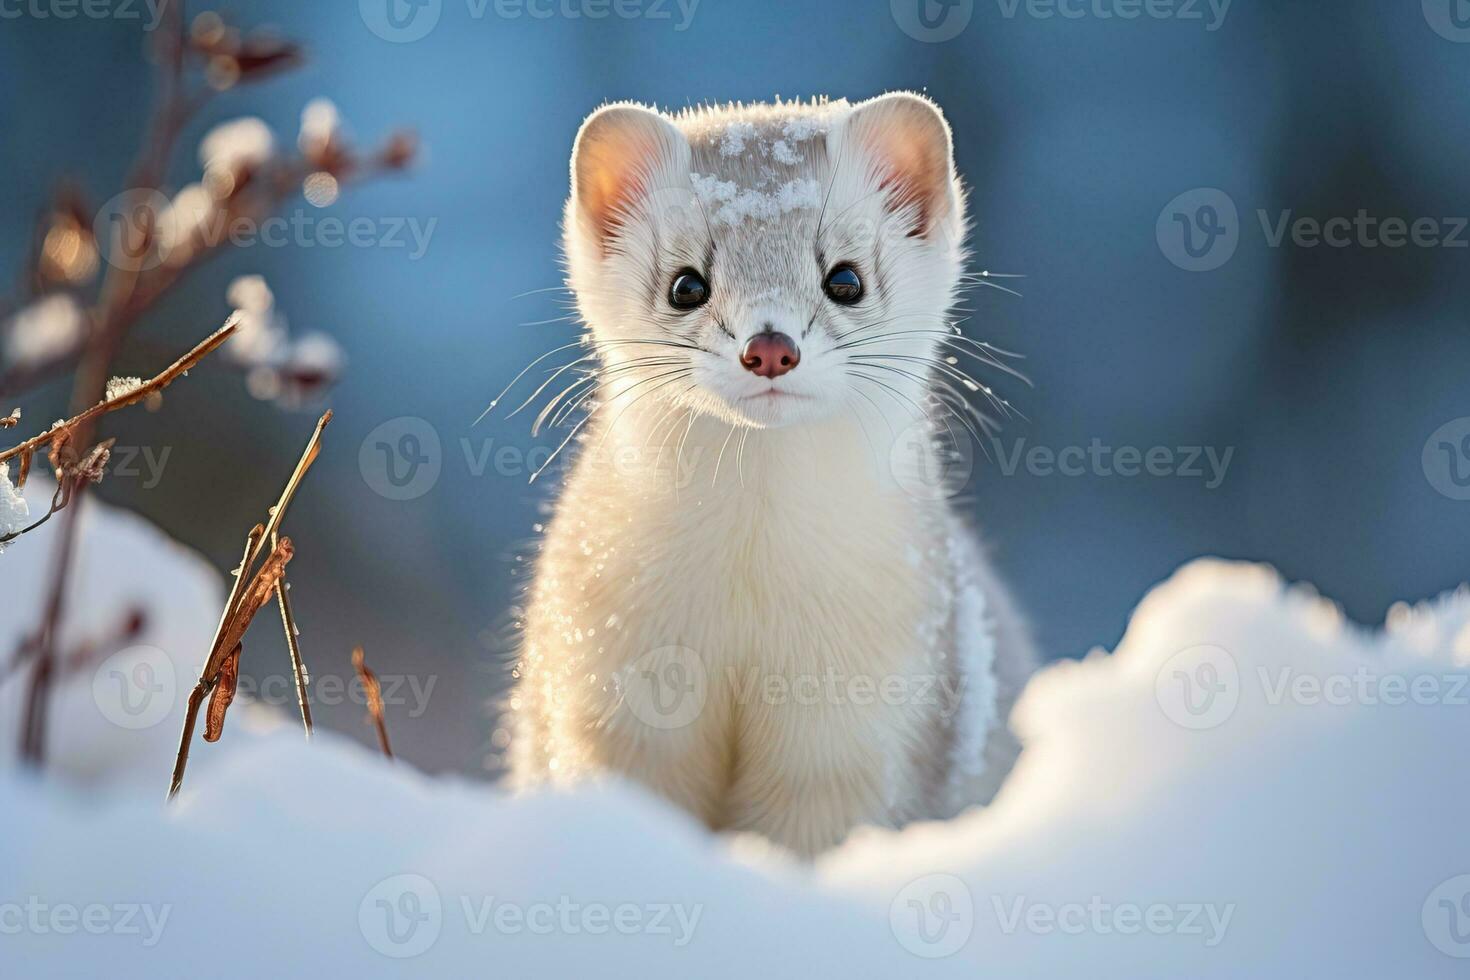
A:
(768, 264)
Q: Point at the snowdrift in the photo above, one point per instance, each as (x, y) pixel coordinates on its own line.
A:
(1249, 786)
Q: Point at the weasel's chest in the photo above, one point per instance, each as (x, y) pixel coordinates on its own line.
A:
(790, 590)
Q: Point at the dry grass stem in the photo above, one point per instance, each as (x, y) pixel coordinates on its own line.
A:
(249, 593)
(374, 692)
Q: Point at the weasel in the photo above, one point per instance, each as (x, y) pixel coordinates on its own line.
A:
(754, 597)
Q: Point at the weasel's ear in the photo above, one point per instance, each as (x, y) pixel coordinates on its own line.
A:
(910, 149)
(619, 154)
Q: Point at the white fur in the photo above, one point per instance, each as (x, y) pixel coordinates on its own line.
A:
(756, 551)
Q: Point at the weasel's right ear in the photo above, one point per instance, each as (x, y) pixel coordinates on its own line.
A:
(620, 153)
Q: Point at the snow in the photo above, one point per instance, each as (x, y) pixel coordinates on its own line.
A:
(730, 204)
(237, 145)
(15, 513)
(48, 328)
(1249, 786)
(112, 720)
(120, 386)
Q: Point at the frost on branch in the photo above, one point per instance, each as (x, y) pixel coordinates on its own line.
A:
(14, 512)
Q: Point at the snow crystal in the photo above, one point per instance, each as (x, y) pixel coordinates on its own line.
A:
(730, 204)
(48, 328)
(118, 387)
(973, 630)
(15, 513)
(785, 153)
(732, 144)
(802, 128)
(236, 145)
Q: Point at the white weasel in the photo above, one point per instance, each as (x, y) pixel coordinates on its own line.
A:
(754, 597)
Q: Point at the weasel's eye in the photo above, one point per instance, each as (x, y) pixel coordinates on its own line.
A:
(844, 286)
(688, 291)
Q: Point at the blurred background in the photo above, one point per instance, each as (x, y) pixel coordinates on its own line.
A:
(1145, 169)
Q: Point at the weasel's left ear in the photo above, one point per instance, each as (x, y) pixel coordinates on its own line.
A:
(911, 151)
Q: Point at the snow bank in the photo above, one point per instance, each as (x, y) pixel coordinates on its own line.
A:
(1248, 787)
(116, 716)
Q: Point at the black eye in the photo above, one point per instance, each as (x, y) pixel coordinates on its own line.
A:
(688, 291)
(844, 285)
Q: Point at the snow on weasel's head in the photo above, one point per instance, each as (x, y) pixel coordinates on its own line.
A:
(768, 264)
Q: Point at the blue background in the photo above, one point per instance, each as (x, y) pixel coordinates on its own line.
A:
(1326, 369)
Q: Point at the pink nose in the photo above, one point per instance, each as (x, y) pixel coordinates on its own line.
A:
(770, 355)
